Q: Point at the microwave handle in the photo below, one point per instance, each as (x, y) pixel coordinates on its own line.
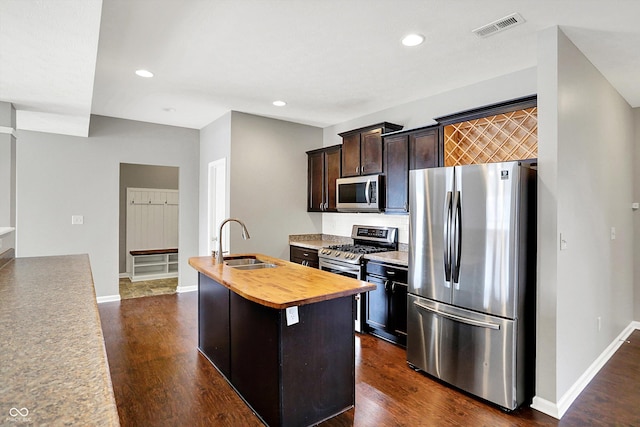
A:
(366, 192)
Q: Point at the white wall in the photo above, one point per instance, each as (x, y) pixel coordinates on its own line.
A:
(422, 113)
(215, 144)
(7, 175)
(636, 218)
(586, 136)
(60, 176)
(266, 180)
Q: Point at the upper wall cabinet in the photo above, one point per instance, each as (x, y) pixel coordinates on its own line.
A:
(323, 170)
(405, 150)
(496, 133)
(362, 149)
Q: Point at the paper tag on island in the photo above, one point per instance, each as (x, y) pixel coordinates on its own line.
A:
(292, 315)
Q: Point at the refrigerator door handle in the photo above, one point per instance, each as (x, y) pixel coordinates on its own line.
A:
(472, 322)
(447, 240)
(457, 239)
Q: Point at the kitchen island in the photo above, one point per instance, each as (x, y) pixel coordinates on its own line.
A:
(283, 336)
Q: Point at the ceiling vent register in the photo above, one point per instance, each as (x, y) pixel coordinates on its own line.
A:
(499, 25)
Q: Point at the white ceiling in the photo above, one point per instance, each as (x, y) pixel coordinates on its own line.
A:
(330, 60)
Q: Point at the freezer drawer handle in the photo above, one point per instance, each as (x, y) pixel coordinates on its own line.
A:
(460, 319)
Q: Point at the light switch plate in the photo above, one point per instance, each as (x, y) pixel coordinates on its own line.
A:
(77, 219)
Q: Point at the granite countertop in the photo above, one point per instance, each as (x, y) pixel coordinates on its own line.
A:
(289, 284)
(392, 257)
(54, 367)
(318, 241)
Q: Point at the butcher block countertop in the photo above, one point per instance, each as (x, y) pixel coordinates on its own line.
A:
(286, 285)
(54, 366)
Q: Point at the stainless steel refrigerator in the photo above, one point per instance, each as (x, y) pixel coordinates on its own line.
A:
(471, 302)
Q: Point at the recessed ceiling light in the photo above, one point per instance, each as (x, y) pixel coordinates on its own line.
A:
(144, 73)
(279, 103)
(412, 39)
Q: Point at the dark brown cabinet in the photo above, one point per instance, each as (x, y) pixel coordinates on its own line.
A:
(396, 169)
(424, 150)
(323, 170)
(386, 306)
(362, 149)
(303, 256)
(405, 150)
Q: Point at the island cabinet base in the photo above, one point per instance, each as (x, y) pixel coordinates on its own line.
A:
(295, 375)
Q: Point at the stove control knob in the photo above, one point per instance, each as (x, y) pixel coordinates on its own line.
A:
(338, 254)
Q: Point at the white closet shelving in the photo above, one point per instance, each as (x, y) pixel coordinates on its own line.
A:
(152, 233)
(150, 266)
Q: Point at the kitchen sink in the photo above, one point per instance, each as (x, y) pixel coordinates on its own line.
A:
(248, 262)
(256, 266)
(236, 261)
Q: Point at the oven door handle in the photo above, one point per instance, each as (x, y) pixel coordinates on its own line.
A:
(354, 269)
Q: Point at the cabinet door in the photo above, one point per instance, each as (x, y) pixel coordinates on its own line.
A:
(351, 155)
(213, 323)
(332, 172)
(315, 196)
(378, 304)
(423, 149)
(396, 170)
(398, 310)
(371, 152)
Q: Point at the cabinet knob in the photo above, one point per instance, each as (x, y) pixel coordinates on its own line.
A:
(357, 169)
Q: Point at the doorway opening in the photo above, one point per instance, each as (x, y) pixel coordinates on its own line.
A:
(148, 230)
(217, 204)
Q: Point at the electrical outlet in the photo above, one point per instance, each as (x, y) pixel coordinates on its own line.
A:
(77, 219)
(613, 233)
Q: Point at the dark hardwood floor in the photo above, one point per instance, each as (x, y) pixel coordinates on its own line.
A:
(160, 379)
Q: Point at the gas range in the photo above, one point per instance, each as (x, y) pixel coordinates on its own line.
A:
(348, 260)
(366, 240)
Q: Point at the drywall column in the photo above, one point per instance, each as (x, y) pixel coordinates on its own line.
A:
(7, 177)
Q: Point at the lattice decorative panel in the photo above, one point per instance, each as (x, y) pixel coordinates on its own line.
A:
(499, 138)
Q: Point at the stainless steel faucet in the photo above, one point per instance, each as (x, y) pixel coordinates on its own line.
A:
(245, 236)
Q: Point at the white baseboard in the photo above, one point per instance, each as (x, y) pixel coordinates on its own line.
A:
(124, 275)
(108, 298)
(557, 410)
(181, 289)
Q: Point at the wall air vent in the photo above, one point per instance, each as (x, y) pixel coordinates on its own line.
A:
(499, 25)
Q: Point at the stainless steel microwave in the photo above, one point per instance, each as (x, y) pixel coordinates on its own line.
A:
(360, 194)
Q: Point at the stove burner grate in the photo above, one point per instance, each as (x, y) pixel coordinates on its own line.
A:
(359, 249)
